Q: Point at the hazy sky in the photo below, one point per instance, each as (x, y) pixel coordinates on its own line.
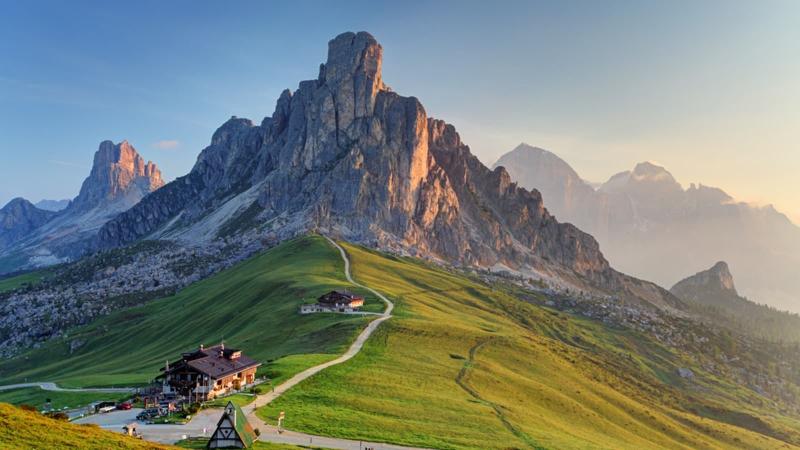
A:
(709, 89)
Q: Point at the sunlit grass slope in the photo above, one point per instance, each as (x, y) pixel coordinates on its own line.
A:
(30, 430)
(252, 306)
(462, 365)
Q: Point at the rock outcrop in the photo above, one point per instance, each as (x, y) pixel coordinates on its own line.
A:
(712, 282)
(19, 218)
(346, 154)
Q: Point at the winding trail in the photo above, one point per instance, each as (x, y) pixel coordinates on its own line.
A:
(355, 347)
(270, 432)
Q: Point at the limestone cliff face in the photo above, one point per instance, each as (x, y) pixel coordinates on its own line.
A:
(18, 218)
(346, 154)
(118, 174)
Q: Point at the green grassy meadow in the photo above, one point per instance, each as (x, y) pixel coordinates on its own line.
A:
(18, 281)
(252, 306)
(37, 397)
(463, 365)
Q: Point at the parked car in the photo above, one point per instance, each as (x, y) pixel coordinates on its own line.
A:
(105, 409)
(148, 414)
(124, 406)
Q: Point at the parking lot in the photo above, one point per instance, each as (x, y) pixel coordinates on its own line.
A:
(202, 424)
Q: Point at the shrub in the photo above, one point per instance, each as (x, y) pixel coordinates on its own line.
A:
(28, 408)
(193, 408)
(257, 432)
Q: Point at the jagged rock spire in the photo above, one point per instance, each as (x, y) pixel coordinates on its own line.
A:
(116, 171)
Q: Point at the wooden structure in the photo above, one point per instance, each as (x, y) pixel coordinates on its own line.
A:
(335, 301)
(206, 373)
(233, 430)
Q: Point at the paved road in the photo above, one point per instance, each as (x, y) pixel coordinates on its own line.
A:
(48, 386)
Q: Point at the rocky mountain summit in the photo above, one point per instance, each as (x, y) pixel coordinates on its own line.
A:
(119, 179)
(18, 218)
(346, 154)
(715, 281)
(650, 226)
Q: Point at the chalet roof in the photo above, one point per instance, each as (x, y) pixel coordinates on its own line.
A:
(216, 361)
(339, 296)
(244, 430)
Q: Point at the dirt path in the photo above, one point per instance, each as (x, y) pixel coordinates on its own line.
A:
(270, 433)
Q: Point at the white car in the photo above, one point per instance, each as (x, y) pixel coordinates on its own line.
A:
(106, 409)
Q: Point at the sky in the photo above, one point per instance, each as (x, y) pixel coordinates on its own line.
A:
(710, 90)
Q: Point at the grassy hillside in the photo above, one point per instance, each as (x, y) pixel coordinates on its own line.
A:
(18, 281)
(252, 306)
(30, 430)
(37, 397)
(462, 365)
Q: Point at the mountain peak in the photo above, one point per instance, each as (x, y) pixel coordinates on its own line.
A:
(351, 54)
(18, 218)
(652, 172)
(716, 280)
(117, 171)
(352, 73)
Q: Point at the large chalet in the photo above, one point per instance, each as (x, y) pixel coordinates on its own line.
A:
(208, 372)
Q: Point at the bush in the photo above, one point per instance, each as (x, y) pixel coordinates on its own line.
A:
(193, 408)
(25, 407)
(257, 432)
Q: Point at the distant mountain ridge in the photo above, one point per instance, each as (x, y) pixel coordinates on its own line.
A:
(52, 205)
(119, 179)
(650, 226)
(18, 218)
